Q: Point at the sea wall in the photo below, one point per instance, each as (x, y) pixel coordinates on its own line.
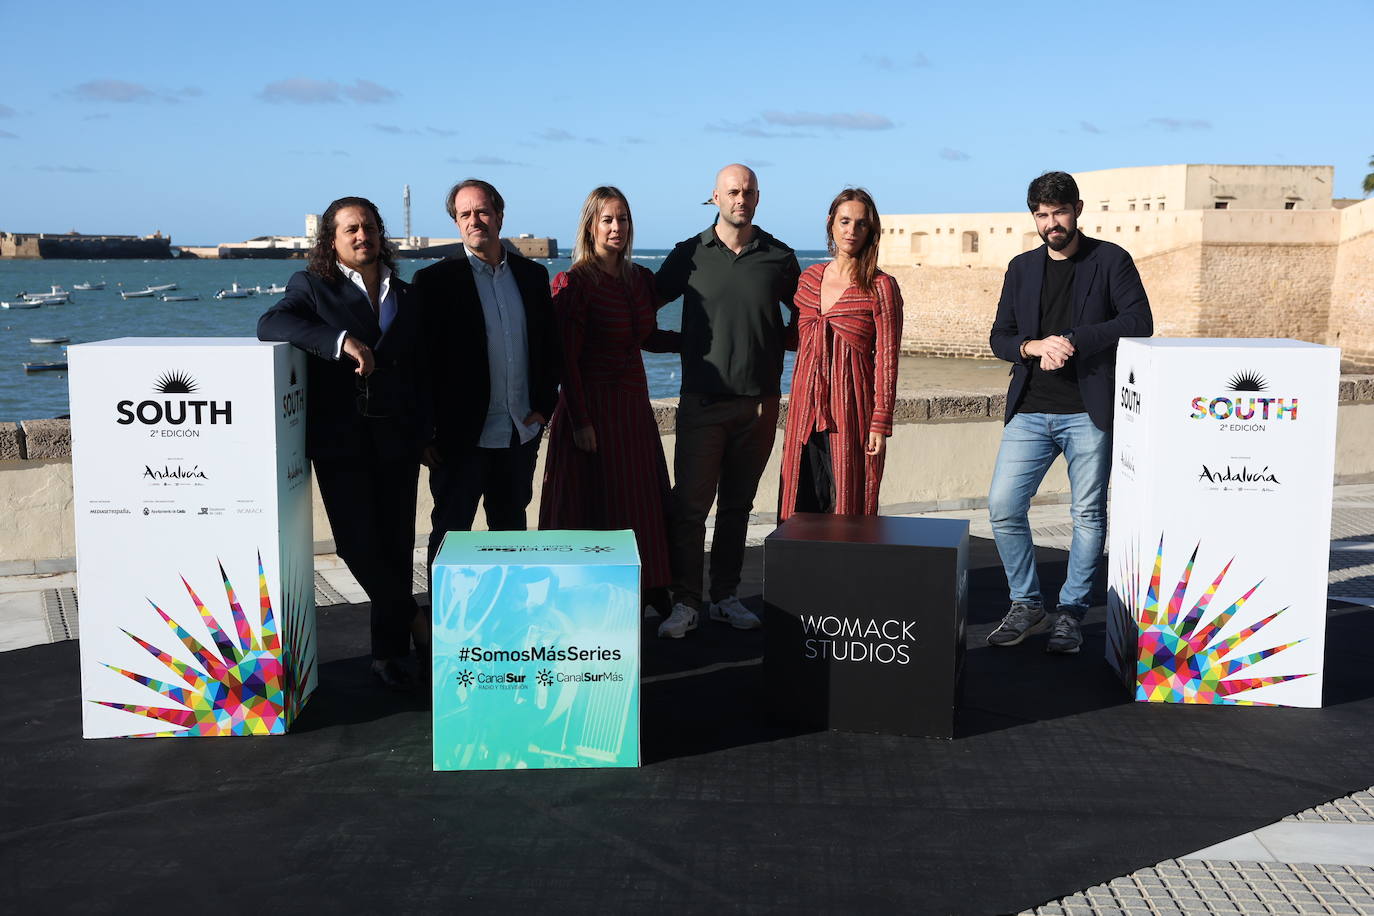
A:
(940, 456)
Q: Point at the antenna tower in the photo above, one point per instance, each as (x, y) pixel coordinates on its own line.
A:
(406, 199)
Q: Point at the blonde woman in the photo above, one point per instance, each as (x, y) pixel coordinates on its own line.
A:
(605, 467)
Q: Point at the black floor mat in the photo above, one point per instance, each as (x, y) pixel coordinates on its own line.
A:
(1054, 783)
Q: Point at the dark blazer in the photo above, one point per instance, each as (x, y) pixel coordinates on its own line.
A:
(310, 316)
(455, 338)
(1109, 303)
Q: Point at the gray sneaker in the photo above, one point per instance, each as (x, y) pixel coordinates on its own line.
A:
(1067, 636)
(1021, 621)
(679, 622)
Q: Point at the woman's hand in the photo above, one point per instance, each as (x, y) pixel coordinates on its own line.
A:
(877, 443)
(585, 438)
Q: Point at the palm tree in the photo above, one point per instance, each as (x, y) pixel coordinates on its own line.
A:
(1369, 179)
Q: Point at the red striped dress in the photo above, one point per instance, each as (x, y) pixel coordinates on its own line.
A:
(844, 382)
(624, 483)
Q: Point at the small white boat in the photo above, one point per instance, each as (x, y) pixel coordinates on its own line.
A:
(138, 294)
(276, 289)
(235, 292)
(180, 298)
(21, 304)
(47, 298)
(163, 288)
(49, 340)
(46, 367)
(87, 287)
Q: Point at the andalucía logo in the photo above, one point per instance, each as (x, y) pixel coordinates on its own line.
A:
(1241, 404)
(167, 472)
(1239, 478)
(175, 410)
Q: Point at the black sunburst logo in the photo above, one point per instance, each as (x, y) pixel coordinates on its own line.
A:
(1248, 381)
(293, 377)
(1130, 379)
(174, 383)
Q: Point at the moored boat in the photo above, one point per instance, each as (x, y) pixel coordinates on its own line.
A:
(20, 304)
(191, 298)
(49, 340)
(137, 294)
(235, 292)
(163, 287)
(87, 287)
(46, 367)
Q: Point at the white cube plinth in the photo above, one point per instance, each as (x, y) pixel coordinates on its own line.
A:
(193, 536)
(1220, 522)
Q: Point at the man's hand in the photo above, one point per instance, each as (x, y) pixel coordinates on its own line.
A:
(1054, 351)
(585, 438)
(877, 443)
(429, 456)
(360, 353)
(535, 419)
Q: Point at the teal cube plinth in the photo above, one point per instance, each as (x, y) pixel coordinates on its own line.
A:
(536, 650)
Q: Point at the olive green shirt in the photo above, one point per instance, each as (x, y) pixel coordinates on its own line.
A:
(733, 332)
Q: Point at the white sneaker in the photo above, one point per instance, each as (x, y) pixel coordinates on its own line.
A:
(732, 611)
(682, 619)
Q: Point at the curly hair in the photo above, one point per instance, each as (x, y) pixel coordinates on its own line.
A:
(866, 262)
(324, 260)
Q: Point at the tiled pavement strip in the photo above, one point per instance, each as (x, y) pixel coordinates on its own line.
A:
(1316, 861)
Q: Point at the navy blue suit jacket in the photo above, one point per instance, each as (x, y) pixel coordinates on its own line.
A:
(1109, 303)
(311, 315)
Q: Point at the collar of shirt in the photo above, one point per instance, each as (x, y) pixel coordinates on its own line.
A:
(710, 238)
(358, 281)
(480, 265)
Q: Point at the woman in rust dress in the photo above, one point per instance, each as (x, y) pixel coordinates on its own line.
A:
(605, 468)
(844, 383)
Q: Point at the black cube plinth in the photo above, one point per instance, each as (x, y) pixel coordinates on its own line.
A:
(864, 618)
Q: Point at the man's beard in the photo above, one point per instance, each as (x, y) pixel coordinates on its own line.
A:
(1059, 243)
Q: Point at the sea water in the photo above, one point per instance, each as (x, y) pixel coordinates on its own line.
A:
(102, 314)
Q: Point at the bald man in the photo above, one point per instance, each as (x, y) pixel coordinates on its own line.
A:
(734, 280)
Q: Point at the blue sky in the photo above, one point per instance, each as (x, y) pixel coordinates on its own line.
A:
(217, 122)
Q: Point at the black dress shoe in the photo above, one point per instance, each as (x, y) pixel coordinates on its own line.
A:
(391, 674)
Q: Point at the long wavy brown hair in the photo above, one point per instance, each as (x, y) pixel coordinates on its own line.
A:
(584, 244)
(324, 262)
(866, 263)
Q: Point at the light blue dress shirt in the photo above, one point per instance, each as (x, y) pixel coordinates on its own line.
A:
(507, 353)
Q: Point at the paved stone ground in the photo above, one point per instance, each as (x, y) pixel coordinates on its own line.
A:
(1315, 861)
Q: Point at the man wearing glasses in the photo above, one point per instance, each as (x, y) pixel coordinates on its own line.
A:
(360, 325)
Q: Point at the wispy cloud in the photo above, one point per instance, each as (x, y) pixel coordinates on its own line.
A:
(1089, 128)
(633, 140)
(441, 132)
(303, 90)
(98, 116)
(67, 169)
(367, 92)
(486, 160)
(752, 128)
(190, 92)
(555, 135)
(884, 62)
(838, 120)
(112, 91)
(6, 135)
(6, 111)
(954, 155)
(758, 163)
(393, 129)
(1177, 124)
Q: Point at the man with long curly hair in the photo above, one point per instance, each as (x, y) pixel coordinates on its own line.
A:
(360, 326)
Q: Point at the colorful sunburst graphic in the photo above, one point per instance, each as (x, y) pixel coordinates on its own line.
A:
(249, 683)
(1182, 658)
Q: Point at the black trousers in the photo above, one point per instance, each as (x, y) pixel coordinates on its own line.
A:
(370, 502)
(816, 476)
(501, 478)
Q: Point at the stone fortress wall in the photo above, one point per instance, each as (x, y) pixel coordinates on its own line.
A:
(1224, 251)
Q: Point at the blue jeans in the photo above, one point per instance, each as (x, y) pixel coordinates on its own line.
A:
(1030, 443)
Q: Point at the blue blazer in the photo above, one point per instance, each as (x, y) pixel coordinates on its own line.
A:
(1109, 303)
(311, 315)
